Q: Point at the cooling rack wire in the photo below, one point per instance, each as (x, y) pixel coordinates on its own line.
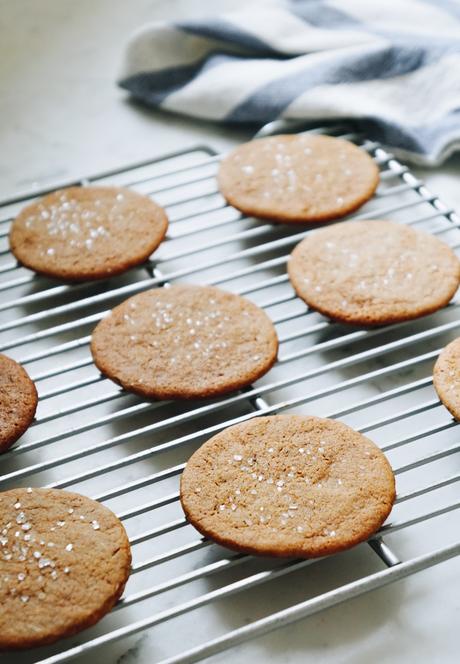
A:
(91, 437)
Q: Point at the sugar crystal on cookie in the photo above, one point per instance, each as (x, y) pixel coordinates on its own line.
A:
(295, 493)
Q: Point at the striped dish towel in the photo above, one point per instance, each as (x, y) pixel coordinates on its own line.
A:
(390, 66)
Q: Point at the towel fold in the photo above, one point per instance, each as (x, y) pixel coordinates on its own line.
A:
(392, 67)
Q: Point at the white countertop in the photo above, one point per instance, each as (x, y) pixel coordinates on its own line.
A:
(62, 116)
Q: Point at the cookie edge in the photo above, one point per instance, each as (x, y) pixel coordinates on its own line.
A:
(93, 619)
(94, 275)
(368, 320)
(437, 370)
(293, 552)
(30, 416)
(174, 394)
(291, 219)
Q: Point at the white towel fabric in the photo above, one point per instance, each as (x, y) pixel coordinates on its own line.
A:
(392, 67)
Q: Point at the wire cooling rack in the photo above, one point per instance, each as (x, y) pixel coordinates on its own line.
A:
(91, 437)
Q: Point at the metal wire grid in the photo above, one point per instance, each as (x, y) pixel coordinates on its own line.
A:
(92, 437)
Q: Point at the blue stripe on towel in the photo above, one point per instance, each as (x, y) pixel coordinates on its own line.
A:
(404, 51)
(229, 34)
(155, 86)
(270, 100)
(322, 15)
(420, 139)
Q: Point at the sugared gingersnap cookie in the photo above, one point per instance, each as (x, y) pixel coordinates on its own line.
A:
(373, 272)
(298, 178)
(446, 377)
(184, 342)
(288, 485)
(18, 401)
(85, 233)
(64, 562)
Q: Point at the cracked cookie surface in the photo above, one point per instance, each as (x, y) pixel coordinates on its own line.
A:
(85, 233)
(298, 178)
(185, 342)
(446, 377)
(18, 401)
(288, 485)
(64, 562)
(373, 272)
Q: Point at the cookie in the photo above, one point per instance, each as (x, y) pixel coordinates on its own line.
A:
(184, 342)
(298, 178)
(288, 485)
(84, 233)
(373, 272)
(446, 377)
(18, 401)
(64, 562)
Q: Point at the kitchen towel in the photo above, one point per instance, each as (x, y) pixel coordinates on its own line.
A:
(390, 66)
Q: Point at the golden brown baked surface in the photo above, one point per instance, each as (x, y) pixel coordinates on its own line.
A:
(84, 233)
(288, 485)
(373, 272)
(184, 342)
(446, 377)
(64, 562)
(298, 178)
(18, 401)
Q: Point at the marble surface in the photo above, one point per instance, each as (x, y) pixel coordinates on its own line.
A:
(62, 116)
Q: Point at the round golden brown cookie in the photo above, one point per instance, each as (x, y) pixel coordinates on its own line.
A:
(298, 178)
(288, 485)
(373, 272)
(446, 377)
(18, 401)
(184, 342)
(64, 562)
(85, 233)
